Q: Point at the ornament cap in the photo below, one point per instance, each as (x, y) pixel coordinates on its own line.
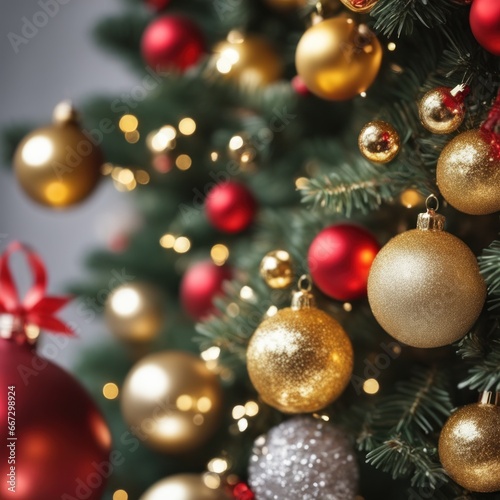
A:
(489, 398)
(65, 112)
(431, 220)
(303, 298)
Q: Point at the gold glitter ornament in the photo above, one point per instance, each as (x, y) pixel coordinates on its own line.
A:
(379, 141)
(276, 269)
(300, 360)
(469, 445)
(338, 59)
(442, 109)
(424, 287)
(468, 173)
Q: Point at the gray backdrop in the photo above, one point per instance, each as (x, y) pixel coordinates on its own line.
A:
(60, 61)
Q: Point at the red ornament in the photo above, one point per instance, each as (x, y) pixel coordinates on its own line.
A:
(158, 5)
(339, 260)
(242, 492)
(56, 440)
(201, 283)
(230, 207)
(485, 24)
(172, 42)
(299, 86)
(63, 442)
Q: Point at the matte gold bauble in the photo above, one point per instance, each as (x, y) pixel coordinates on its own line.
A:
(424, 287)
(469, 446)
(379, 141)
(135, 312)
(172, 401)
(338, 59)
(360, 6)
(300, 360)
(468, 174)
(251, 60)
(58, 165)
(440, 111)
(276, 269)
(183, 487)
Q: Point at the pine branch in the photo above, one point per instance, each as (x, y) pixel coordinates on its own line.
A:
(400, 16)
(357, 186)
(398, 435)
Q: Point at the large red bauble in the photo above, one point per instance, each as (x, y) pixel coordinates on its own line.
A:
(201, 283)
(340, 258)
(485, 24)
(63, 442)
(230, 207)
(172, 42)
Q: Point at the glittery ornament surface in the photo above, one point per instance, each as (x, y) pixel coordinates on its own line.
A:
(469, 447)
(303, 459)
(468, 174)
(425, 288)
(300, 360)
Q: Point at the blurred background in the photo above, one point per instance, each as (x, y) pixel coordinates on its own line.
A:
(55, 64)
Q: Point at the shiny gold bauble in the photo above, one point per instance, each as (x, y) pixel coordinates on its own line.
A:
(469, 447)
(425, 288)
(276, 269)
(183, 487)
(338, 59)
(250, 60)
(440, 112)
(286, 4)
(299, 361)
(135, 312)
(468, 174)
(379, 141)
(58, 165)
(360, 6)
(172, 401)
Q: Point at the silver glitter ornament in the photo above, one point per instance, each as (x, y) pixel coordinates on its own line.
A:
(303, 459)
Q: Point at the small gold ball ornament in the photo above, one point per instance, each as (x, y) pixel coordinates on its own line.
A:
(249, 59)
(172, 401)
(468, 173)
(135, 312)
(300, 360)
(183, 487)
(379, 141)
(442, 109)
(469, 445)
(58, 165)
(338, 59)
(360, 6)
(424, 287)
(276, 269)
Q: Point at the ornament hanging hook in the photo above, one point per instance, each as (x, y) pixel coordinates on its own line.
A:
(305, 283)
(432, 203)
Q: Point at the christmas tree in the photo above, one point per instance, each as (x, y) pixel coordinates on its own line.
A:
(309, 308)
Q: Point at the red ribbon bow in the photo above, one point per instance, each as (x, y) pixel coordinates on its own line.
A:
(35, 308)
